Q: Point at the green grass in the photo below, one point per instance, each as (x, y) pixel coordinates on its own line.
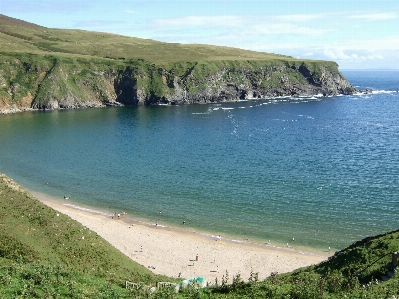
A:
(42, 251)
(355, 272)
(44, 254)
(46, 68)
(31, 38)
(48, 255)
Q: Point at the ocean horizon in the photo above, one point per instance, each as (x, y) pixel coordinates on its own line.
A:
(322, 170)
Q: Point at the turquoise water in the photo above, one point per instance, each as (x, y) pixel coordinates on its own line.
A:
(322, 170)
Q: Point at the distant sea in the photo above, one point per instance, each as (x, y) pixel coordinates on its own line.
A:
(324, 171)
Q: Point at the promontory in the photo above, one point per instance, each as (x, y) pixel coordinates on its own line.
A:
(43, 68)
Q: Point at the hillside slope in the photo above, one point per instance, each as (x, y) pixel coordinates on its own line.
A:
(362, 270)
(43, 251)
(42, 68)
(20, 36)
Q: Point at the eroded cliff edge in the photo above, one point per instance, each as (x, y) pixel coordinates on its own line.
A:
(31, 81)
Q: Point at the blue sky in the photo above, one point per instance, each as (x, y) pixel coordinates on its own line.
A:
(354, 33)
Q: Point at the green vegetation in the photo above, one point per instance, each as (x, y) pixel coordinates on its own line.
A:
(47, 255)
(41, 40)
(44, 254)
(359, 271)
(45, 68)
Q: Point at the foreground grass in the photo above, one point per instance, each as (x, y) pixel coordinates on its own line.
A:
(44, 254)
(355, 272)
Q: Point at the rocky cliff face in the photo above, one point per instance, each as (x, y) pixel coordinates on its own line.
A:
(281, 79)
(30, 81)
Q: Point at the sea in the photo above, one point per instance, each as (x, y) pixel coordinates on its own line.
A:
(314, 172)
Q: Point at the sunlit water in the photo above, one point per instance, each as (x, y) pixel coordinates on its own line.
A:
(322, 170)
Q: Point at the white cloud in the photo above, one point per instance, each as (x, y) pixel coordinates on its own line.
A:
(189, 21)
(376, 16)
(298, 18)
(243, 25)
(286, 28)
(376, 44)
(336, 53)
(307, 36)
(98, 23)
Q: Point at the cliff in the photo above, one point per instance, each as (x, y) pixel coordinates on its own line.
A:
(43, 68)
(29, 81)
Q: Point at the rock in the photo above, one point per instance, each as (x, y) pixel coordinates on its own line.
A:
(83, 84)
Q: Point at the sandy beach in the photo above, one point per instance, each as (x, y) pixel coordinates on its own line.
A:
(179, 253)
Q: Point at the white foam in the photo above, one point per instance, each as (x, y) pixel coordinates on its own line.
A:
(209, 111)
(383, 91)
(85, 209)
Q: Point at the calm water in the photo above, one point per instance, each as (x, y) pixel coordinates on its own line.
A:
(325, 171)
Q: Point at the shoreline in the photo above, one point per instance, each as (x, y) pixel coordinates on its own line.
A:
(176, 252)
(14, 109)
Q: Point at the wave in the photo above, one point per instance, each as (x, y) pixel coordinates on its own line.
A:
(86, 209)
(381, 91)
(265, 101)
(209, 111)
(384, 91)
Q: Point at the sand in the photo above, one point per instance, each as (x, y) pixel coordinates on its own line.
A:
(182, 253)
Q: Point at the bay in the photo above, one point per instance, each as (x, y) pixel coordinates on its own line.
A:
(322, 170)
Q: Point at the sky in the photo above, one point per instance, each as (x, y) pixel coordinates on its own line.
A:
(357, 34)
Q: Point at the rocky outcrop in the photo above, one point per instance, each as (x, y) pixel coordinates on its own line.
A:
(265, 82)
(30, 81)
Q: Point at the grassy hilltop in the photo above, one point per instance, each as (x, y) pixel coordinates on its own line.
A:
(44, 254)
(85, 44)
(45, 68)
